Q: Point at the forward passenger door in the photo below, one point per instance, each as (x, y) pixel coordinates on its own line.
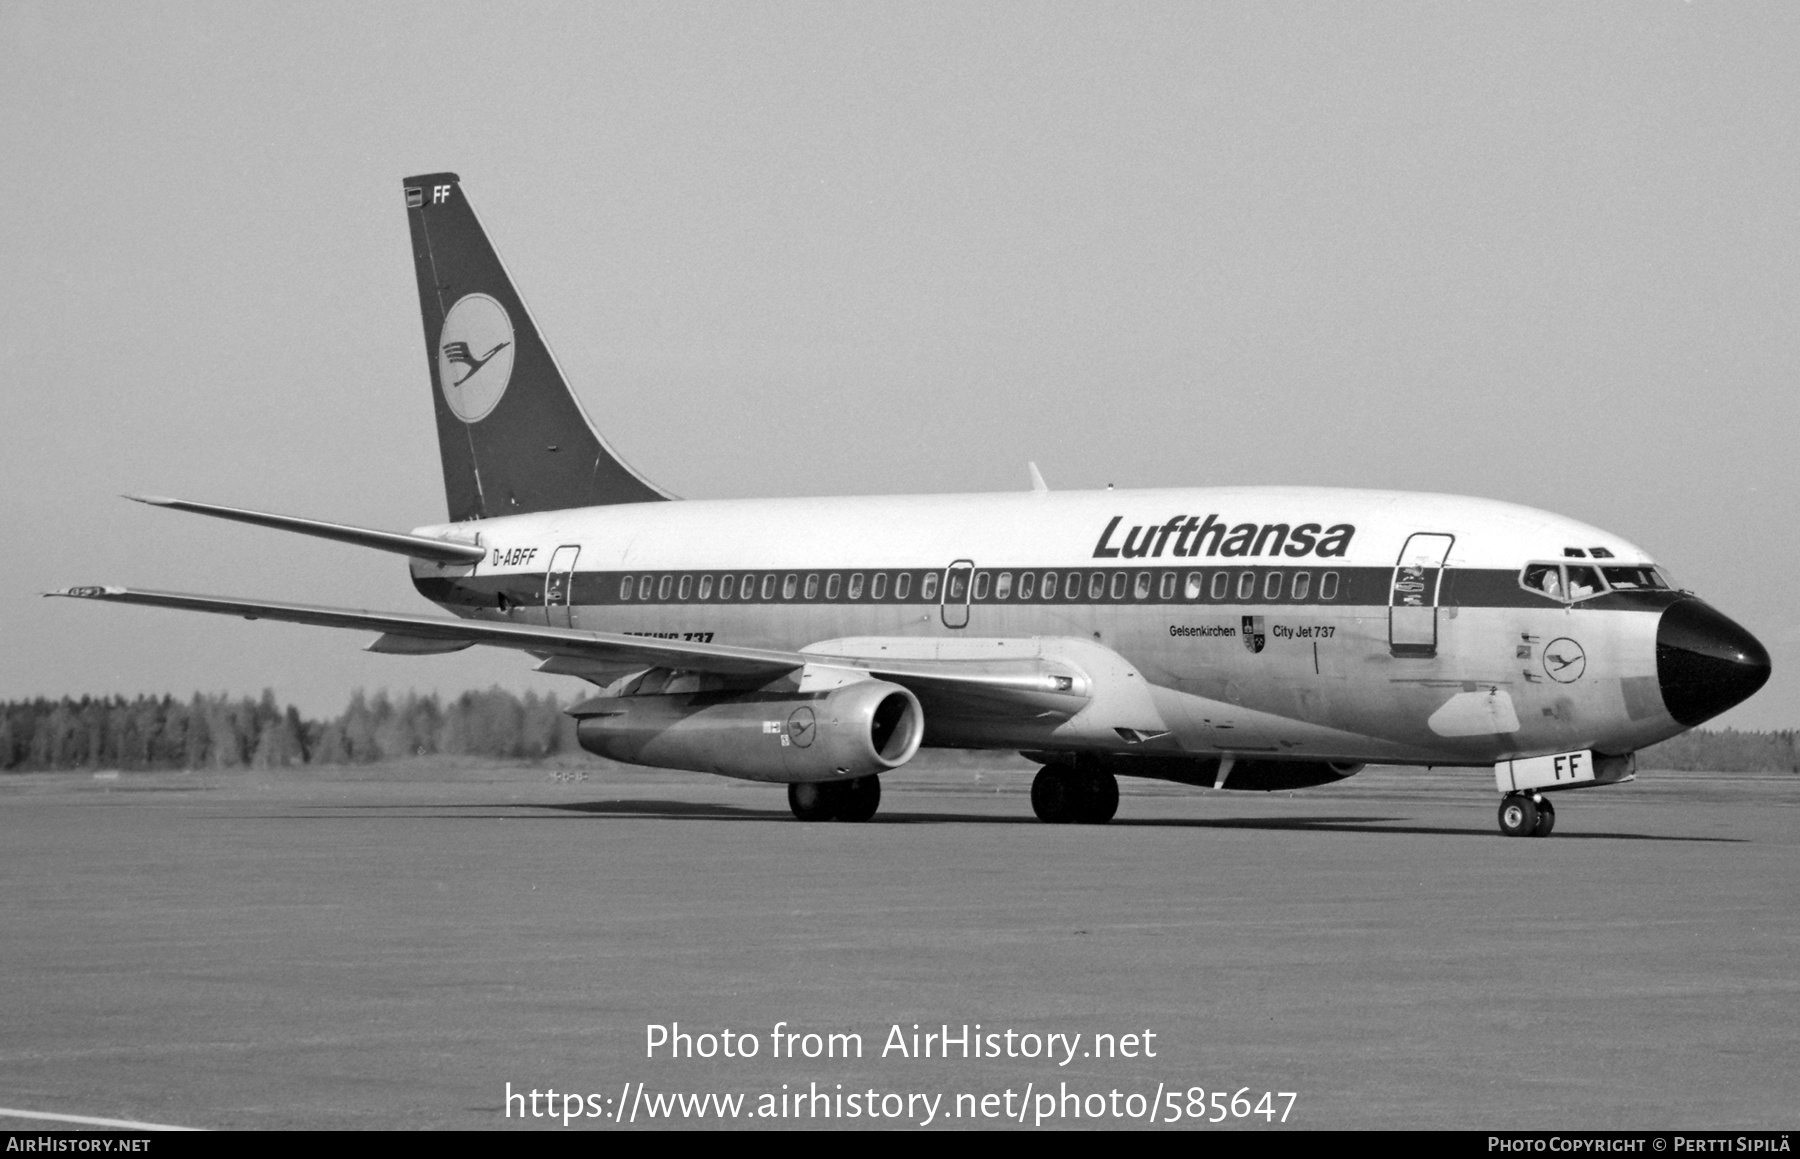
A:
(1413, 596)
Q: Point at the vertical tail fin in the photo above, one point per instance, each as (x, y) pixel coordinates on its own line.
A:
(514, 438)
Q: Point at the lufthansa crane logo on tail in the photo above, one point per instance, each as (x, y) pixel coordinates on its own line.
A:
(475, 356)
(459, 352)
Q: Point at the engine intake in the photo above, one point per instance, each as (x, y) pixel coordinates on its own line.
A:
(868, 727)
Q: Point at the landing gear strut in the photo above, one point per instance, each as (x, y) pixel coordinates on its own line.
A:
(853, 800)
(1523, 816)
(1063, 795)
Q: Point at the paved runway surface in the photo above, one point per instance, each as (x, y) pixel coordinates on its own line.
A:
(391, 948)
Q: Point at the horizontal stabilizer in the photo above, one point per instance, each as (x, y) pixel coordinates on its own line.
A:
(417, 546)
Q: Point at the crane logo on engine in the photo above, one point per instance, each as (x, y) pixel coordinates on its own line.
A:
(801, 727)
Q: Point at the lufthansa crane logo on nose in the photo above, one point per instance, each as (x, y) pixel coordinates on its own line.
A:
(475, 356)
(1564, 661)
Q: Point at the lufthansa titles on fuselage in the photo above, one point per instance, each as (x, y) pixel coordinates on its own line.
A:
(1191, 535)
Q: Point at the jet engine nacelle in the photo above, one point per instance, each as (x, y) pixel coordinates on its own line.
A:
(853, 731)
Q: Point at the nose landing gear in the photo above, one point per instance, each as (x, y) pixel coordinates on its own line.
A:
(1525, 816)
(1062, 795)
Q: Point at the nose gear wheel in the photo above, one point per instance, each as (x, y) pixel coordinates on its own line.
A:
(1522, 816)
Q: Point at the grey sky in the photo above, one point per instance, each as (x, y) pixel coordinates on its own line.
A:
(1545, 253)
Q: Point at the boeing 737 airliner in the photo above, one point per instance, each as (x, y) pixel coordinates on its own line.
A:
(1242, 638)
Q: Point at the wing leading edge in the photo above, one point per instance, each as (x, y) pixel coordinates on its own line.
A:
(602, 647)
(1029, 684)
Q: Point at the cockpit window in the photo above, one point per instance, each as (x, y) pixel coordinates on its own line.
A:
(1544, 578)
(1631, 579)
(1566, 582)
(1583, 582)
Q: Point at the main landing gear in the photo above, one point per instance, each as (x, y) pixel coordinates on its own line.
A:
(853, 800)
(1064, 794)
(1525, 816)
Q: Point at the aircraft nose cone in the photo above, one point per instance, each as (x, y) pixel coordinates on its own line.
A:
(1705, 663)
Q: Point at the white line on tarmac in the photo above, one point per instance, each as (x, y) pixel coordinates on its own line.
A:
(91, 1121)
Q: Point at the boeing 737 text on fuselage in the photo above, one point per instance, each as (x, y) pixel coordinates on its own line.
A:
(1241, 638)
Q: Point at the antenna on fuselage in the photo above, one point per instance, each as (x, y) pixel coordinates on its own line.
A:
(1038, 486)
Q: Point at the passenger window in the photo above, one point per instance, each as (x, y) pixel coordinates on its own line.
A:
(747, 589)
(624, 587)
(981, 585)
(1003, 585)
(686, 589)
(1221, 585)
(1584, 582)
(1272, 586)
(1141, 588)
(1194, 588)
(878, 586)
(1246, 586)
(956, 591)
(902, 585)
(790, 587)
(856, 585)
(1328, 585)
(662, 588)
(1302, 584)
(928, 587)
(812, 586)
(1168, 586)
(833, 583)
(1027, 582)
(1049, 585)
(1118, 585)
(646, 585)
(706, 586)
(1630, 579)
(1072, 586)
(726, 585)
(1097, 586)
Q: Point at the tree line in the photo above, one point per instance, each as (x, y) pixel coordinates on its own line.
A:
(209, 731)
(219, 732)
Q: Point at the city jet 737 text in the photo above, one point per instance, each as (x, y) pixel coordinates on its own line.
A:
(1239, 638)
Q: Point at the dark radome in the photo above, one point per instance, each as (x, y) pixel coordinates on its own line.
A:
(1705, 662)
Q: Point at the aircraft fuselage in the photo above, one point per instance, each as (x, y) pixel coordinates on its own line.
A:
(1281, 622)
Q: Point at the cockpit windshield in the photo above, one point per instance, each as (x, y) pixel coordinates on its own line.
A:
(1570, 582)
(1583, 582)
(1544, 578)
(1631, 579)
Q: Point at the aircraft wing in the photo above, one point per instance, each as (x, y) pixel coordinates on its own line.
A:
(1029, 686)
(602, 647)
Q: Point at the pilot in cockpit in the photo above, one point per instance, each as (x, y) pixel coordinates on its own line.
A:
(1545, 578)
(1583, 582)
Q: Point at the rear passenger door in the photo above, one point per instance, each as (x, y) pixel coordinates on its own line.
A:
(559, 583)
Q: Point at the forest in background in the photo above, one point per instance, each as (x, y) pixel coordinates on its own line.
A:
(219, 732)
